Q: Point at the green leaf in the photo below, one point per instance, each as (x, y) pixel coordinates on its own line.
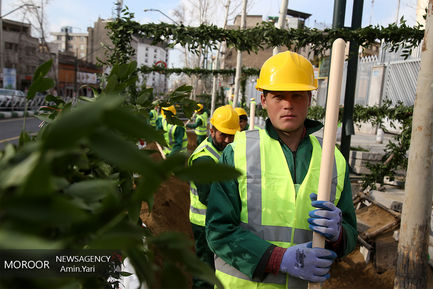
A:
(124, 154)
(132, 126)
(91, 191)
(16, 240)
(72, 126)
(40, 85)
(207, 172)
(16, 175)
(42, 70)
(41, 211)
(24, 138)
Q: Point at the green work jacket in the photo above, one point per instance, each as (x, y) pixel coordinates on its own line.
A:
(175, 136)
(206, 151)
(224, 212)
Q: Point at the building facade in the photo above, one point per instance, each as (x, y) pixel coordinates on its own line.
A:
(149, 54)
(70, 42)
(20, 55)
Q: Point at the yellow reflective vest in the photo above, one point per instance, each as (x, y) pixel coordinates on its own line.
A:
(197, 211)
(273, 207)
(169, 130)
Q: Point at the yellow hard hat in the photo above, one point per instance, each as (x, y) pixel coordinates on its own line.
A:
(225, 119)
(200, 107)
(168, 108)
(287, 71)
(240, 111)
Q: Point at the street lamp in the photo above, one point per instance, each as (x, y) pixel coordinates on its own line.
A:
(146, 10)
(1, 34)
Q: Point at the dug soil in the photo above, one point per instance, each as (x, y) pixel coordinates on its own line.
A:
(170, 213)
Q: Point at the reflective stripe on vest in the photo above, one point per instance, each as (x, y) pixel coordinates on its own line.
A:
(202, 129)
(169, 130)
(197, 210)
(283, 219)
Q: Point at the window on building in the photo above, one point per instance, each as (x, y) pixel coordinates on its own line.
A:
(70, 37)
(59, 37)
(147, 48)
(155, 50)
(145, 60)
(11, 46)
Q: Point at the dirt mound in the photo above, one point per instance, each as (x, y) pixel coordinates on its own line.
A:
(170, 210)
(352, 272)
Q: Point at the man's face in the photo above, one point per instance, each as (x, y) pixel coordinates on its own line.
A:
(243, 123)
(220, 140)
(287, 110)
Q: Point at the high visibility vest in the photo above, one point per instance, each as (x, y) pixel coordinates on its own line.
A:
(169, 130)
(197, 210)
(154, 117)
(202, 129)
(273, 207)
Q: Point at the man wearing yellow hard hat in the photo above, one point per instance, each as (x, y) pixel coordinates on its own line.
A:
(200, 125)
(175, 136)
(225, 124)
(260, 225)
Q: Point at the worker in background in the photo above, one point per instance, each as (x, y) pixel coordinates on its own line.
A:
(175, 136)
(200, 125)
(260, 225)
(153, 116)
(243, 118)
(225, 123)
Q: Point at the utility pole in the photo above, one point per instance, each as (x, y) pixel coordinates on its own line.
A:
(349, 96)
(281, 19)
(217, 65)
(412, 258)
(239, 58)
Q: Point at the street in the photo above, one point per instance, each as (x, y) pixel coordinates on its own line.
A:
(10, 129)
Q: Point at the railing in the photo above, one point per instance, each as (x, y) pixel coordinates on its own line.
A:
(19, 103)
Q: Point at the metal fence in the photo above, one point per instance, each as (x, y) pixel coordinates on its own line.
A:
(399, 79)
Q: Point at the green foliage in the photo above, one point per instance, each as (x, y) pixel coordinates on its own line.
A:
(259, 37)
(72, 186)
(395, 154)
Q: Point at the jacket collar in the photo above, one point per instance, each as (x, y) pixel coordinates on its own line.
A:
(311, 126)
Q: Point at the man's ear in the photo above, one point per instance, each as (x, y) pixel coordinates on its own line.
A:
(263, 100)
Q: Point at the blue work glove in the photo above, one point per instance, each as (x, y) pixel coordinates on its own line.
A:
(304, 262)
(326, 220)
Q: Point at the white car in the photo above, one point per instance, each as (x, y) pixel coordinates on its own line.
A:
(8, 97)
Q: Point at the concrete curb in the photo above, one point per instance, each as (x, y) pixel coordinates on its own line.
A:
(16, 114)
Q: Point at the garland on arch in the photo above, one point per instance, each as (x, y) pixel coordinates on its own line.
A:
(261, 36)
(197, 71)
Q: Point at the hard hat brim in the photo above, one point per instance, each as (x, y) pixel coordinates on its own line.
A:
(226, 130)
(287, 87)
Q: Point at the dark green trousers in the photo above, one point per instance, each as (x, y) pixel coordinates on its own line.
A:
(203, 253)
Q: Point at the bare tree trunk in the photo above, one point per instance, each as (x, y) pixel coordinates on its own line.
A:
(239, 57)
(281, 19)
(216, 77)
(411, 271)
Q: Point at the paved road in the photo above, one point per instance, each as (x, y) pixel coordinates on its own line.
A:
(10, 129)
